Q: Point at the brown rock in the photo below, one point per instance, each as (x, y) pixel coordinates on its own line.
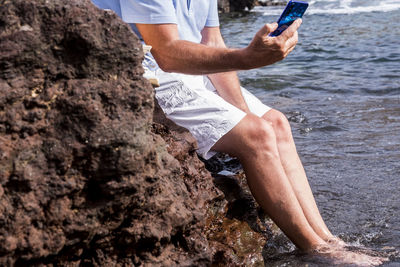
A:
(226, 6)
(223, 6)
(86, 176)
(83, 179)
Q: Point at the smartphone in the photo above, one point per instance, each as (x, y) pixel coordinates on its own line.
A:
(294, 10)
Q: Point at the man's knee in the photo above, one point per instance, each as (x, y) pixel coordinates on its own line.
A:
(280, 124)
(259, 135)
(253, 135)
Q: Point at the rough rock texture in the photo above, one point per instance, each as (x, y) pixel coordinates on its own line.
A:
(223, 6)
(86, 176)
(241, 5)
(226, 6)
(82, 178)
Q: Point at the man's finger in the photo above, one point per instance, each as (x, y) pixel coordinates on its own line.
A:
(289, 32)
(292, 41)
(290, 50)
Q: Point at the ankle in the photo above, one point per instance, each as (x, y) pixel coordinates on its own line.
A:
(325, 234)
(335, 241)
(315, 246)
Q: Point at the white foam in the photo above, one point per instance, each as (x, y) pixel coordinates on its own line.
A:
(345, 3)
(338, 7)
(355, 10)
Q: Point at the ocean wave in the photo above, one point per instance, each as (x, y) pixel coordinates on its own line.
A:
(337, 7)
(355, 10)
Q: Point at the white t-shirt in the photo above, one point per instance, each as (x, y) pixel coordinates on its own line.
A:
(191, 16)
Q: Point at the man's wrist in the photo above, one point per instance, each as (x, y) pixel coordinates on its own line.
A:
(240, 59)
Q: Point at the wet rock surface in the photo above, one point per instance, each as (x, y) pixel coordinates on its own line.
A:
(87, 177)
(238, 230)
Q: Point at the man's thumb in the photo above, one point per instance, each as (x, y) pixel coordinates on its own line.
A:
(267, 28)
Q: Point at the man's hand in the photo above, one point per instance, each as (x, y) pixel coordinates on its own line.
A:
(265, 50)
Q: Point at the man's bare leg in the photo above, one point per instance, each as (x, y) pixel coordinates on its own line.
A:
(299, 182)
(296, 174)
(253, 141)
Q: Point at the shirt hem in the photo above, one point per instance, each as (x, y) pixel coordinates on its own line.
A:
(150, 20)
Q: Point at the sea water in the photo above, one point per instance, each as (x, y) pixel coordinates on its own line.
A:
(340, 88)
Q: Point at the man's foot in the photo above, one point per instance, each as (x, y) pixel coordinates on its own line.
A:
(335, 241)
(341, 256)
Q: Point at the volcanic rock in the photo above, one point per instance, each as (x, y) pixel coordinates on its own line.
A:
(226, 6)
(86, 176)
(82, 177)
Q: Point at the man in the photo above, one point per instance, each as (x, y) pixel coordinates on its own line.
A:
(200, 91)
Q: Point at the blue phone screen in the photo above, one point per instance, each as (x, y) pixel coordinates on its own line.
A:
(293, 11)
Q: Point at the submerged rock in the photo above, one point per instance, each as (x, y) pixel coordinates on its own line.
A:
(86, 176)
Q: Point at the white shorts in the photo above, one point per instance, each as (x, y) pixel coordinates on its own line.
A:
(191, 101)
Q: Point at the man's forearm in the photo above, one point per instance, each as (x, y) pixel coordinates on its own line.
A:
(226, 83)
(228, 87)
(198, 59)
